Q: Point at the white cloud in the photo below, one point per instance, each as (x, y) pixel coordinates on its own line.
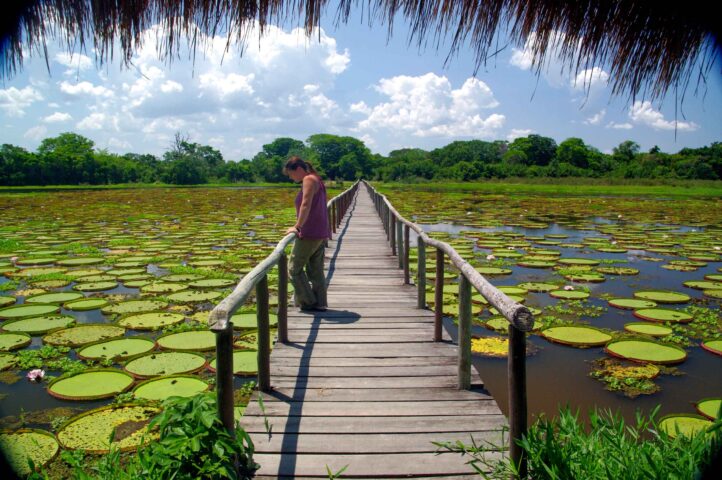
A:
(169, 86)
(85, 88)
(427, 105)
(590, 79)
(99, 121)
(522, 58)
(36, 133)
(519, 132)
(597, 118)
(74, 61)
(57, 117)
(643, 113)
(224, 85)
(14, 101)
(620, 126)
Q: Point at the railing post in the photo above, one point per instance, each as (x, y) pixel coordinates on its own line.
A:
(224, 377)
(421, 273)
(392, 233)
(333, 217)
(438, 294)
(407, 278)
(283, 298)
(264, 340)
(464, 333)
(517, 397)
(400, 242)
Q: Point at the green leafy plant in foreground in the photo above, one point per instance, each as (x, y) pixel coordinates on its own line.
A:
(564, 448)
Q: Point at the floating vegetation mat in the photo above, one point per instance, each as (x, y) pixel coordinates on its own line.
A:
(91, 384)
(490, 346)
(631, 380)
(165, 363)
(175, 385)
(91, 431)
(28, 444)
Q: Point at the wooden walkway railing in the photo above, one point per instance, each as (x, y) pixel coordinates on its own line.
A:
(373, 381)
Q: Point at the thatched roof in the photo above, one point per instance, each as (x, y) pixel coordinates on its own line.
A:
(647, 46)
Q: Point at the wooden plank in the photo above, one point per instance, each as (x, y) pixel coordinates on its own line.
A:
(390, 371)
(350, 350)
(375, 394)
(358, 362)
(359, 338)
(365, 382)
(472, 408)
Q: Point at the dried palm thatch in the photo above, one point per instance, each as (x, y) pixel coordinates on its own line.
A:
(647, 46)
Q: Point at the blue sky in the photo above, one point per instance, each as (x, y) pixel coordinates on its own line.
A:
(348, 81)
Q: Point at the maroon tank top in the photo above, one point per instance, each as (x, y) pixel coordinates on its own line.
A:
(316, 226)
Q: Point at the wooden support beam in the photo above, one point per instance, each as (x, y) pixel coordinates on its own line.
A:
(464, 333)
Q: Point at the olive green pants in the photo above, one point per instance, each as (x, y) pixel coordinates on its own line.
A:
(306, 272)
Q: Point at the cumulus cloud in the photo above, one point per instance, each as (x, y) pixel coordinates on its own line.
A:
(99, 121)
(620, 126)
(428, 105)
(13, 101)
(170, 86)
(36, 133)
(85, 88)
(590, 79)
(643, 113)
(519, 132)
(597, 118)
(74, 61)
(58, 117)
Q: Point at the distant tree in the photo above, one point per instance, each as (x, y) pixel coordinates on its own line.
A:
(626, 151)
(17, 165)
(574, 152)
(328, 150)
(539, 150)
(284, 147)
(67, 159)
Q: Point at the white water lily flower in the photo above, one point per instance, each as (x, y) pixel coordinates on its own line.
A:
(36, 375)
(490, 257)
(568, 287)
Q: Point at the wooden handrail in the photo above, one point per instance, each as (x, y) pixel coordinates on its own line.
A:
(220, 323)
(519, 317)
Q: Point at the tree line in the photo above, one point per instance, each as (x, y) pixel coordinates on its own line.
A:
(71, 159)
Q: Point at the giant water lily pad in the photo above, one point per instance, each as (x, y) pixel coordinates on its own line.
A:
(712, 293)
(646, 351)
(22, 311)
(91, 384)
(135, 306)
(165, 363)
(6, 300)
(86, 304)
(703, 285)
(538, 286)
(59, 297)
(7, 360)
(39, 325)
(709, 407)
(13, 341)
(75, 261)
(576, 336)
(578, 261)
(645, 328)
(683, 424)
(193, 296)
(150, 320)
(531, 263)
(95, 286)
(713, 346)
(200, 340)
(493, 270)
(245, 362)
(498, 324)
(569, 294)
(26, 444)
(662, 315)
(631, 303)
(249, 320)
(83, 334)
(171, 386)
(661, 296)
(163, 287)
(116, 349)
(213, 283)
(90, 431)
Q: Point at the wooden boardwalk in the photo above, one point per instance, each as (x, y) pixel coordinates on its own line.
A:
(364, 384)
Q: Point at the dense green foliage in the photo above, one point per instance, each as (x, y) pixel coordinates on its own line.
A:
(70, 159)
(193, 445)
(564, 448)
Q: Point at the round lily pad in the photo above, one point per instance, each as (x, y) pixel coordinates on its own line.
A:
(529, 263)
(648, 329)
(85, 304)
(6, 300)
(117, 349)
(22, 311)
(709, 407)
(165, 363)
(618, 270)
(13, 341)
(28, 444)
(578, 261)
(38, 325)
(683, 424)
(712, 293)
(712, 346)
(703, 285)
(7, 360)
(193, 296)
(538, 286)
(586, 277)
(36, 261)
(163, 287)
(646, 351)
(493, 270)
(91, 384)
(134, 306)
(83, 334)
(631, 303)
(91, 430)
(95, 286)
(510, 290)
(171, 386)
(661, 296)
(498, 324)
(569, 294)
(213, 283)
(59, 297)
(245, 362)
(33, 272)
(663, 315)
(715, 277)
(150, 320)
(249, 320)
(75, 261)
(200, 340)
(577, 336)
